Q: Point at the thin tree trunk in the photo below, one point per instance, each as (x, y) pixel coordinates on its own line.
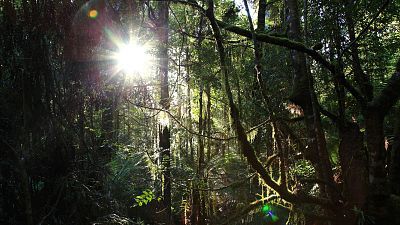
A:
(198, 207)
(208, 122)
(195, 205)
(189, 136)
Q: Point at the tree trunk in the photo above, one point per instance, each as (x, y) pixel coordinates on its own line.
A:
(354, 169)
(394, 173)
(164, 133)
(303, 95)
(198, 209)
(378, 187)
(208, 121)
(195, 205)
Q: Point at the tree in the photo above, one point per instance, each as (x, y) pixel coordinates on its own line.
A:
(164, 130)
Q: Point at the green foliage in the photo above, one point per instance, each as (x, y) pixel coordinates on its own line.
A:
(146, 197)
(129, 174)
(303, 169)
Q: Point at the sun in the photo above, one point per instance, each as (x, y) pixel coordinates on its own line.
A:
(132, 58)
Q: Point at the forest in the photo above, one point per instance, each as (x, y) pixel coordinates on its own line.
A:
(199, 112)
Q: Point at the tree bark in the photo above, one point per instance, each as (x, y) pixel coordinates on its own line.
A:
(374, 113)
(303, 94)
(394, 172)
(378, 186)
(164, 132)
(354, 169)
(353, 160)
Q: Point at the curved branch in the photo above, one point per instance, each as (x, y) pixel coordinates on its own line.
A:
(280, 41)
(294, 45)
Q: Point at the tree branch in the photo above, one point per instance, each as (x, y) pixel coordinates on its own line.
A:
(294, 45)
(280, 41)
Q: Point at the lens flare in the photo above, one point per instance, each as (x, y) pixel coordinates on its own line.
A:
(267, 210)
(274, 218)
(93, 14)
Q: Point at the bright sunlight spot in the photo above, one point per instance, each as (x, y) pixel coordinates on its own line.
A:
(132, 58)
(164, 119)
